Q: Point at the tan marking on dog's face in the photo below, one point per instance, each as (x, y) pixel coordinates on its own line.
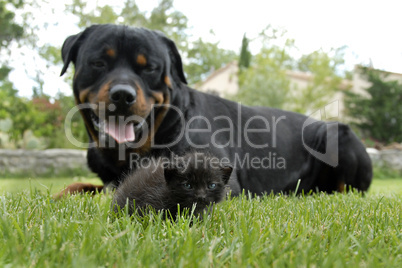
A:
(86, 96)
(141, 60)
(143, 105)
(83, 95)
(159, 98)
(162, 111)
(167, 82)
(111, 52)
(103, 94)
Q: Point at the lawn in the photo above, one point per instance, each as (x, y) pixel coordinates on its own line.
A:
(53, 185)
(341, 230)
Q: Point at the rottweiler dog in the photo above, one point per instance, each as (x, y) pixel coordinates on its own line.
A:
(132, 93)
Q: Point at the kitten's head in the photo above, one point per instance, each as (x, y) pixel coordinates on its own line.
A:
(197, 178)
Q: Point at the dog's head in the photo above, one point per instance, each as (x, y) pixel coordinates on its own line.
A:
(121, 75)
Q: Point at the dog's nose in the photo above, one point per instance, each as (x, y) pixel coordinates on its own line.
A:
(123, 95)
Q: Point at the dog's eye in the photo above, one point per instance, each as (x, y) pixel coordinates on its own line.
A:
(98, 64)
(149, 69)
(212, 185)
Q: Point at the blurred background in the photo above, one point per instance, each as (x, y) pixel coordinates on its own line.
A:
(294, 55)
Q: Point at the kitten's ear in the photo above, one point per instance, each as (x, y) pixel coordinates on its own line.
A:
(226, 172)
(170, 171)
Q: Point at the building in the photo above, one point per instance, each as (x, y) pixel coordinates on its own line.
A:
(224, 82)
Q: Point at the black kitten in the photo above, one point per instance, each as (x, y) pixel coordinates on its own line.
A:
(195, 179)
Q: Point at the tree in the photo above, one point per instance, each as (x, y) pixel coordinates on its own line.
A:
(163, 17)
(200, 57)
(101, 14)
(171, 22)
(18, 109)
(245, 55)
(9, 31)
(265, 82)
(205, 57)
(324, 82)
(44, 115)
(11, 106)
(377, 113)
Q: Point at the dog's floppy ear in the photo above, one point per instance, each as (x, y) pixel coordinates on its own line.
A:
(69, 51)
(70, 47)
(176, 65)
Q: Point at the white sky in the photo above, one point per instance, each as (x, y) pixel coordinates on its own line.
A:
(370, 29)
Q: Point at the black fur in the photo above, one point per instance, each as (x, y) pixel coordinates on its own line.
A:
(281, 134)
(164, 186)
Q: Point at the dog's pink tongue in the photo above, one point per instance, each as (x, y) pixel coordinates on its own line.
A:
(121, 134)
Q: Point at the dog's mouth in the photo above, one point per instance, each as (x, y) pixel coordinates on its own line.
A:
(121, 132)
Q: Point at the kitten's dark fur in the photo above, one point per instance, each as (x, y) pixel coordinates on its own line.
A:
(198, 179)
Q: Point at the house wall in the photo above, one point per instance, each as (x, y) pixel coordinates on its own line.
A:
(360, 83)
(223, 81)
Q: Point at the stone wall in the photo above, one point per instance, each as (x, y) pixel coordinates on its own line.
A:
(43, 162)
(65, 161)
(391, 158)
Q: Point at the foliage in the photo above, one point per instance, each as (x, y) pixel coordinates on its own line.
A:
(171, 22)
(279, 231)
(245, 54)
(50, 121)
(11, 104)
(265, 82)
(9, 30)
(203, 58)
(386, 173)
(200, 57)
(76, 125)
(18, 109)
(324, 82)
(163, 18)
(44, 117)
(378, 111)
(263, 78)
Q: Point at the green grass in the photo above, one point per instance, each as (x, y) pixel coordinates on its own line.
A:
(386, 187)
(341, 230)
(52, 185)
